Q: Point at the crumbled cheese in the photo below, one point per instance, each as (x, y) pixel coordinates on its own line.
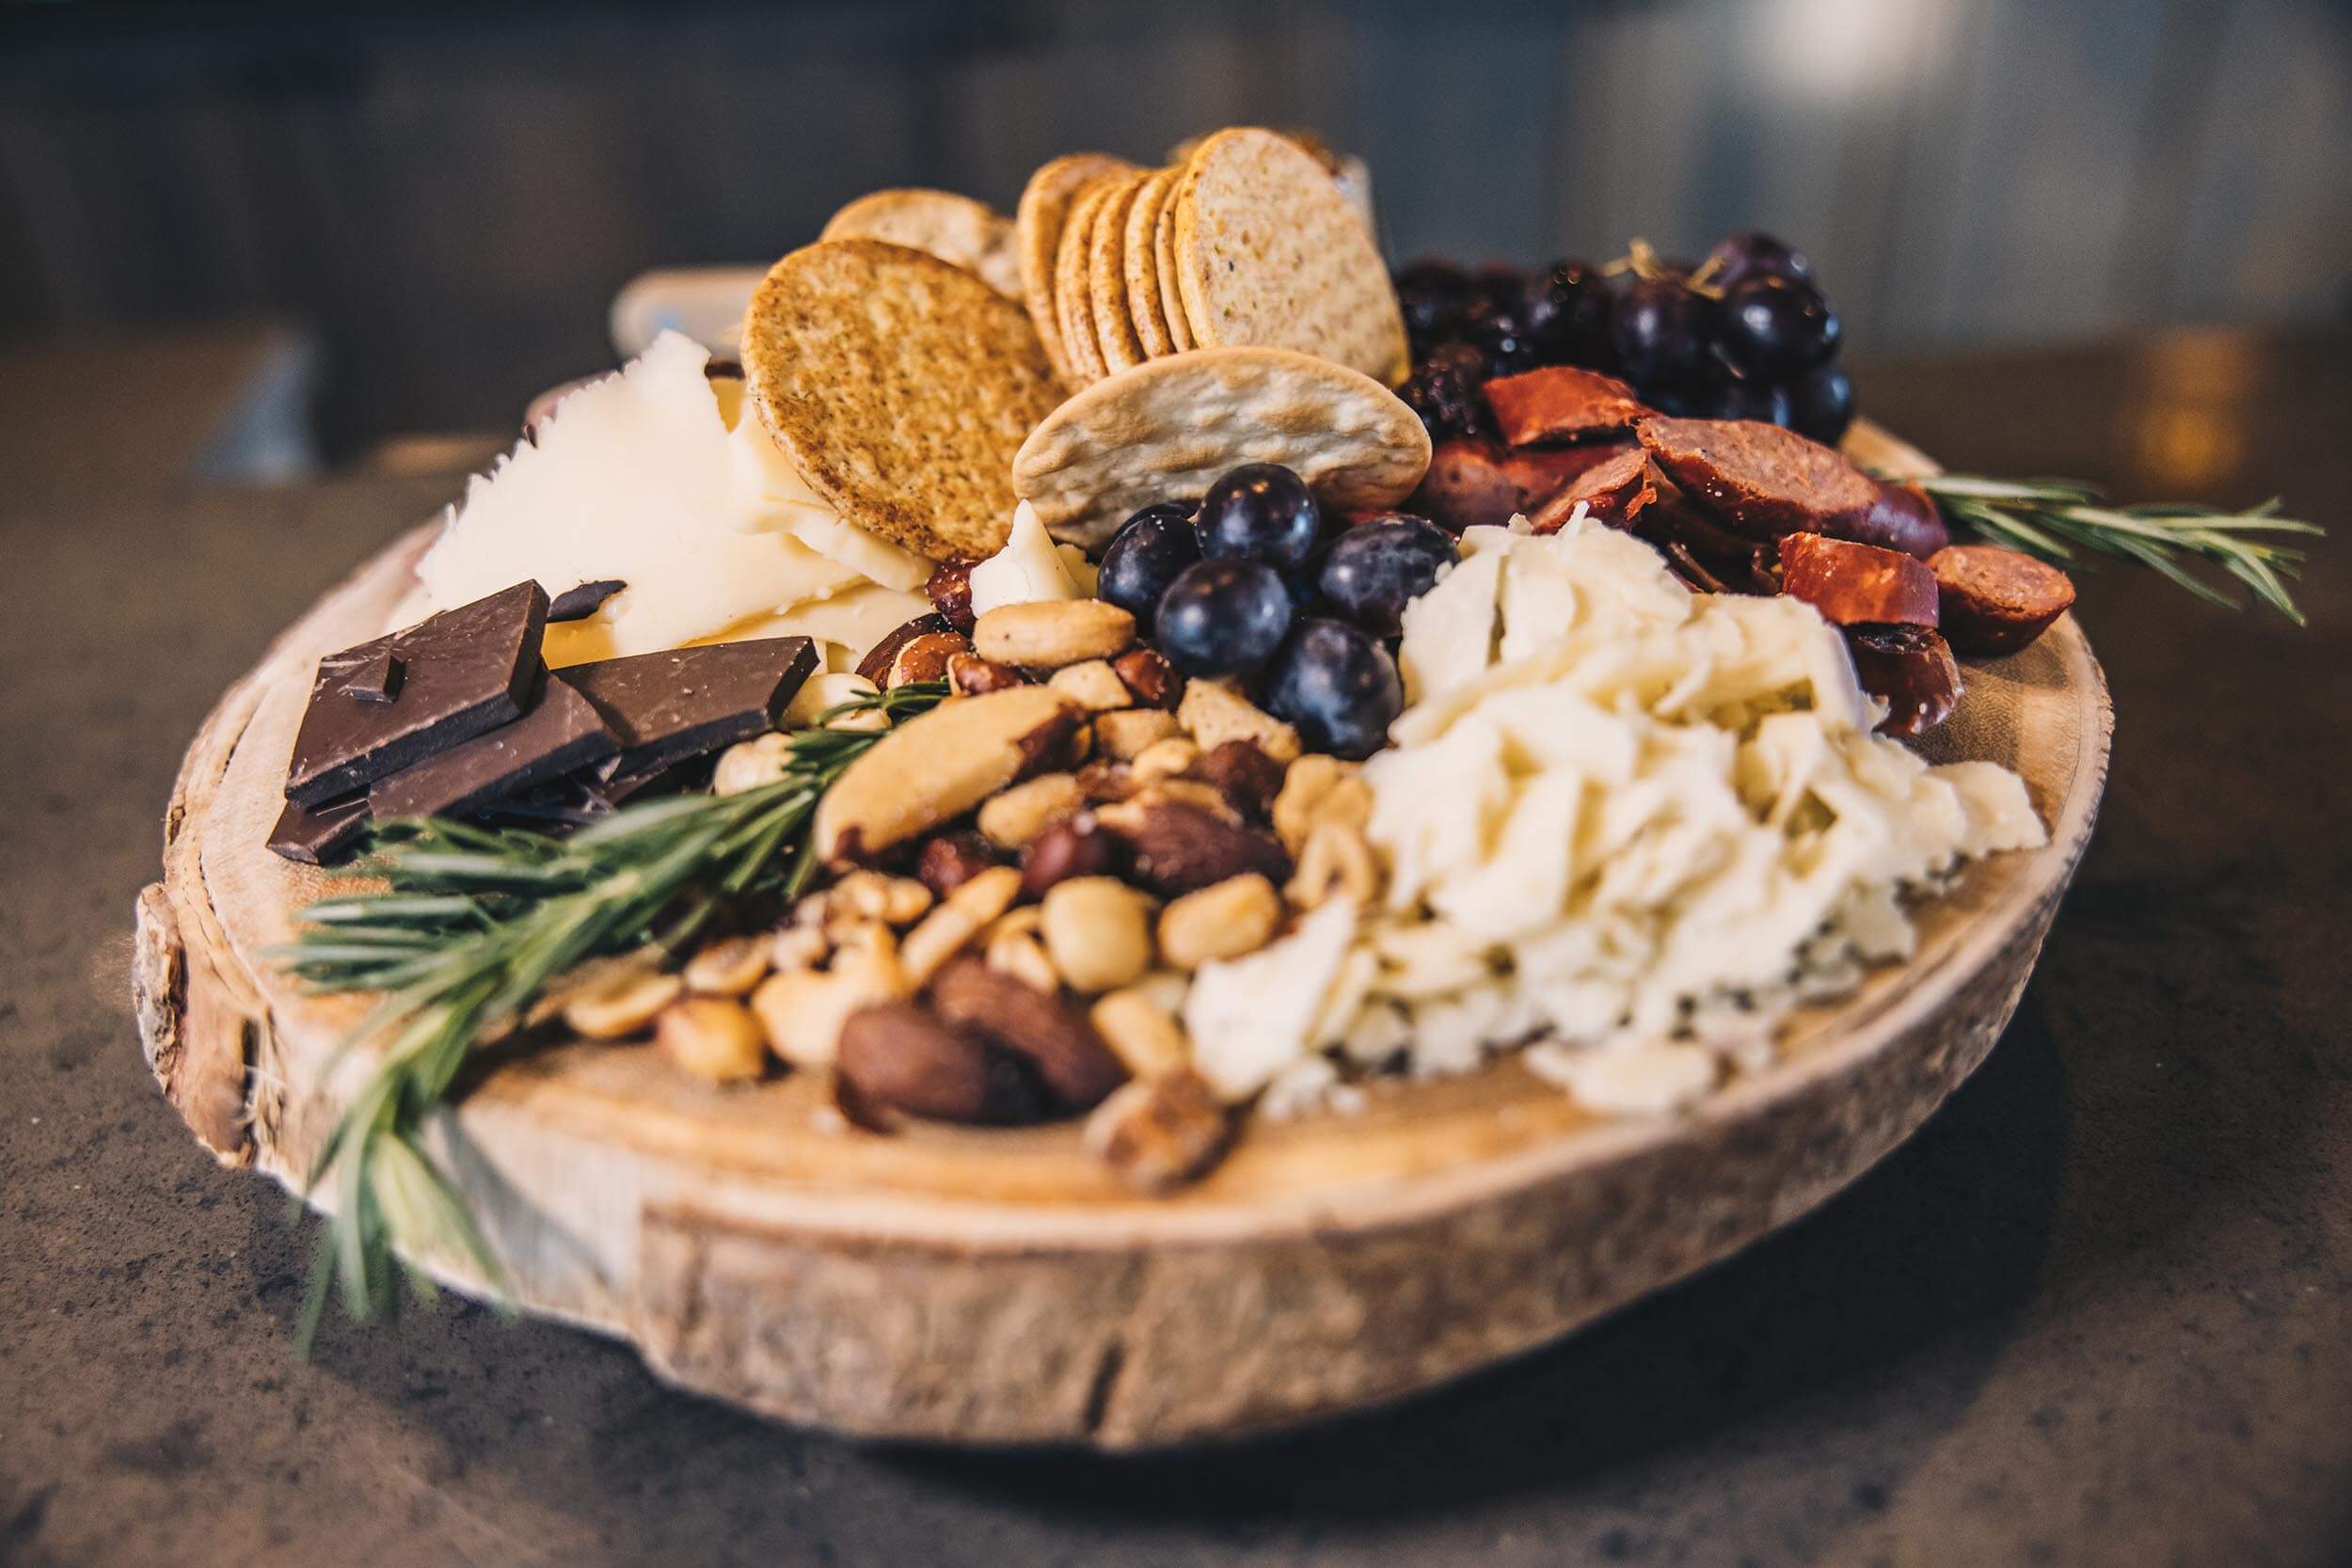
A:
(1252, 1017)
(1028, 569)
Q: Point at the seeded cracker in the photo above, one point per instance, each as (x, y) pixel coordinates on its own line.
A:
(1106, 277)
(1269, 252)
(1139, 268)
(1037, 232)
(901, 386)
(956, 228)
(1074, 294)
(1165, 430)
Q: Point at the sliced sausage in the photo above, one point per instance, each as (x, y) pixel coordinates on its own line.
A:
(1996, 601)
(1903, 519)
(1766, 481)
(1703, 553)
(1560, 403)
(1909, 668)
(1852, 584)
(1614, 493)
(1473, 483)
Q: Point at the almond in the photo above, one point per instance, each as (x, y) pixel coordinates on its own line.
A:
(1241, 771)
(924, 658)
(1150, 677)
(1074, 846)
(935, 767)
(1054, 1038)
(972, 676)
(899, 1056)
(1180, 847)
(1047, 634)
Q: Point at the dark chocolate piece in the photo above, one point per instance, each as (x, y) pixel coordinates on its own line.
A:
(318, 835)
(561, 732)
(668, 707)
(577, 604)
(464, 670)
(374, 678)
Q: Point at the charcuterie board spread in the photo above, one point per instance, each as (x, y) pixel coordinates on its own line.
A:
(1117, 826)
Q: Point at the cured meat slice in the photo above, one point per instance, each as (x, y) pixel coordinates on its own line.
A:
(1854, 584)
(1903, 518)
(1473, 483)
(1560, 403)
(1767, 482)
(1996, 601)
(1614, 493)
(1909, 668)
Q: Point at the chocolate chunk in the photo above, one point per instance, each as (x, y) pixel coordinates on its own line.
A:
(561, 732)
(374, 678)
(665, 708)
(318, 835)
(577, 604)
(464, 670)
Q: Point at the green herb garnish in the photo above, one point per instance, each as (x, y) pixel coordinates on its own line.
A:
(472, 926)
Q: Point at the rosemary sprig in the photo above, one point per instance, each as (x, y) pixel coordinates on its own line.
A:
(2054, 518)
(470, 927)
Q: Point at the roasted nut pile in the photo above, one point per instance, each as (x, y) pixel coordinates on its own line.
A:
(1024, 880)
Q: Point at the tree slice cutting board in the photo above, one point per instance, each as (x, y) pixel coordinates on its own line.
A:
(998, 1286)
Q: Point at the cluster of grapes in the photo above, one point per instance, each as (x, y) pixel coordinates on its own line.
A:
(1745, 335)
(1251, 585)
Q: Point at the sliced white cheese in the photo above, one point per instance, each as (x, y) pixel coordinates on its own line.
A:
(1028, 570)
(1252, 1017)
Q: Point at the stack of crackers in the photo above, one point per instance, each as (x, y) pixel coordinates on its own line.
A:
(1248, 242)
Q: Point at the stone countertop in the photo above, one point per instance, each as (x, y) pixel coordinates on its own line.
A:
(2098, 1312)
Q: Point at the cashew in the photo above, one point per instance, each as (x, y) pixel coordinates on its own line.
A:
(1336, 860)
(1318, 788)
(713, 1038)
(1165, 759)
(802, 1011)
(1129, 733)
(1097, 929)
(959, 918)
(1047, 634)
(1020, 814)
(728, 967)
(1224, 920)
(872, 895)
(622, 1005)
(750, 764)
(1214, 713)
(1145, 1034)
(798, 947)
(936, 767)
(1093, 686)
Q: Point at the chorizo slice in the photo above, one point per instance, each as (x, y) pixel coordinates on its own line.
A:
(1766, 481)
(1473, 483)
(1854, 584)
(1996, 601)
(1903, 518)
(1560, 403)
(1614, 493)
(1911, 670)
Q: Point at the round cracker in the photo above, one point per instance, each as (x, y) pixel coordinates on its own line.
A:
(1037, 235)
(1074, 296)
(1167, 428)
(959, 231)
(1164, 262)
(1139, 270)
(1106, 279)
(1269, 252)
(901, 386)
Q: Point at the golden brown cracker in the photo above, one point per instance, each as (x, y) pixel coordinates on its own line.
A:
(956, 228)
(1106, 278)
(1269, 252)
(902, 385)
(1036, 234)
(1073, 295)
(1139, 271)
(1167, 428)
(1164, 264)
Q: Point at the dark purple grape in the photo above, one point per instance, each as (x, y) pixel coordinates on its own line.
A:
(1567, 315)
(1677, 402)
(1659, 331)
(1374, 569)
(1144, 557)
(1446, 400)
(1466, 357)
(1822, 405)
(1339, 686)
(1434, 294)
(1498, 285)
(1495, 329)
(1222, 617)
(1776, 326)
(1753, 255)
(1260, 512)
(1730, 398)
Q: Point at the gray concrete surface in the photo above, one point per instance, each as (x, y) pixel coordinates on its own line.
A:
(2098, 1312)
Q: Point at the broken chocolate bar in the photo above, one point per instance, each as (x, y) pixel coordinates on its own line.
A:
(579, 603)
(464, 670)
(317, 834)
(373, 678)
(561, 732)
(668, 707)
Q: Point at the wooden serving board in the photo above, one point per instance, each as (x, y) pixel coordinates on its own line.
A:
(998, 1286)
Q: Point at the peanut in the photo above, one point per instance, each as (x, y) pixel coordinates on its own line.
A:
(1098, 932)
(621, 1005)
(872, 895)
(1166, 759)
(798, 947)
(750, 764)
(1047, 634)
(1318, 788)
(1223, 921)
(712, 1037)
(959, 918)
(1146, 1035)
(1015, 817)
(1019, 954)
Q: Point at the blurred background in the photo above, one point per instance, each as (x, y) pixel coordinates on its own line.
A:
(343, 233)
